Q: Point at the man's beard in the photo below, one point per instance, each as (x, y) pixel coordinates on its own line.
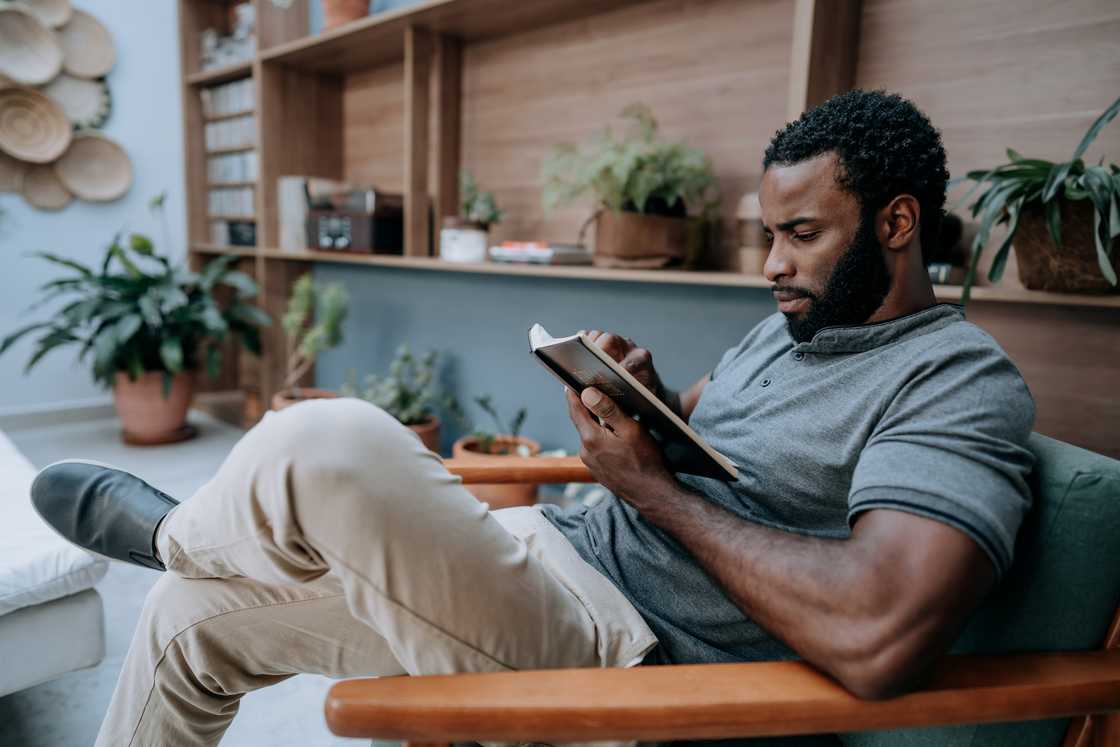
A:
(855, 290)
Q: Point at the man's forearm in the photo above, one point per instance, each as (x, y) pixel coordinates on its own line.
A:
(810, 592)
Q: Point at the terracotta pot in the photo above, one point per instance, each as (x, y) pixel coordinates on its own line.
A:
(338, 12)
(146, 415)
(1071, 269)
(288, 397)
(504, 495)
(428, 433)
(638, 241)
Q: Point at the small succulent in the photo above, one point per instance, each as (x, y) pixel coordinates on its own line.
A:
(477, 206)
(410, 392)
(312, 324)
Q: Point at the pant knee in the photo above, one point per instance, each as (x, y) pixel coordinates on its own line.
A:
(334, 430)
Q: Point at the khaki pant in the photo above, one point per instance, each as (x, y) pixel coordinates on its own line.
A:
(330, 541)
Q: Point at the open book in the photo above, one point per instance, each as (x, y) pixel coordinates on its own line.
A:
(580, 363)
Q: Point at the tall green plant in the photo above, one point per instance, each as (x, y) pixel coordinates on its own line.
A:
(1022, 182)
(632, 172)
(312, 324)
(139, 312)
(410, 391)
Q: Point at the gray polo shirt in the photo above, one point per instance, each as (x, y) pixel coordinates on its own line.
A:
(923, 414)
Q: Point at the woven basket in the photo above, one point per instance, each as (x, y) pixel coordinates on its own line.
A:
(43, 190)
(29, 51)
(95, 168)
(1071, 269)
(53, 13)
(87, 47)
(32, 127)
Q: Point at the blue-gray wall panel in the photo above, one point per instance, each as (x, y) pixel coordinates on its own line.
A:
(480, 323)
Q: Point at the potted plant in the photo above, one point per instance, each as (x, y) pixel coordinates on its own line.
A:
(465, 238)
(312, 325)
(1061, 218)
(149, 325)
(506, 443)
(644, 188)
(410, 392)
(339, 12)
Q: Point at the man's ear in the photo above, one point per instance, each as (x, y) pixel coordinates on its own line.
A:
(898, 223)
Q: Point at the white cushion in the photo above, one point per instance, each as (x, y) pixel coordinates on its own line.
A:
(41, 642)
(36, 565)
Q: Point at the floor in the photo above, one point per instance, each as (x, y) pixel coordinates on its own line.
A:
(68, 711)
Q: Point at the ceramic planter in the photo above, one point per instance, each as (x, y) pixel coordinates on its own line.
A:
(149, 418)
(504, 495)
(638, 241)
(338, 12)
(288, 397)
(428, 432)
(1074, 267)
(463, 241)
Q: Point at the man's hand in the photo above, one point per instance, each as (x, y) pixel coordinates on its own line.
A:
(619, 452)
(637, 361)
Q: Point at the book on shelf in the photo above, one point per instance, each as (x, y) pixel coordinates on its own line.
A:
(540, 252)
(580, 363)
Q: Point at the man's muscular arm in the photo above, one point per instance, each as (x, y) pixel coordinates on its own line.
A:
(872, 610)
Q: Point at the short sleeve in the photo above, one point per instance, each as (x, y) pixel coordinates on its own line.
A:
(951, 446)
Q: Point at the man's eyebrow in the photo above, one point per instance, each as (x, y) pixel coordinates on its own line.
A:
(794, 222)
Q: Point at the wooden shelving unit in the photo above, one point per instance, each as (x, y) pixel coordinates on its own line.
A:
(302, 81)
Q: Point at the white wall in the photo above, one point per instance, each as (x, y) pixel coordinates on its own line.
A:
(147, 120)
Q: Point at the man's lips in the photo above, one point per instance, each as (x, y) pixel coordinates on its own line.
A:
(790, 301)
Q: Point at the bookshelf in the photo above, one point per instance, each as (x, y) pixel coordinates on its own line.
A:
(405, 98)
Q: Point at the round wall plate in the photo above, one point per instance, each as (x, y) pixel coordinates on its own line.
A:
(43, 189)
(11, 173)
(85, 102)
(94, 168)
(87, 48)
(29, 51)
(53, 13)
(32, 127)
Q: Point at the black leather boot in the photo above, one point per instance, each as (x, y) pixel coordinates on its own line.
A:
(105, 510)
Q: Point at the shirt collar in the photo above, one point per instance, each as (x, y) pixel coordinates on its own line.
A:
(863, 337)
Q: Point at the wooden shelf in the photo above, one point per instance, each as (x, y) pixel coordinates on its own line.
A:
(222, 74)
(230, 185)
(727, 279)
(221, 216)
(379, 39)
(219, 250)
(230, 115)
(225, 151)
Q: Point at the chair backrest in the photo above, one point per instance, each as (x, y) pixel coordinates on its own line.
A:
(1060, 595)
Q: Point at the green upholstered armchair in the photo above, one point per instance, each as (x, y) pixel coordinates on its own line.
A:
(1031, 657)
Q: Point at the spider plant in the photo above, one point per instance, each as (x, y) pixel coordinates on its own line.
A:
(1030, 182)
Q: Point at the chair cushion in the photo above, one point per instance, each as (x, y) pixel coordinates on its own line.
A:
(36, 565)
(1060, 595)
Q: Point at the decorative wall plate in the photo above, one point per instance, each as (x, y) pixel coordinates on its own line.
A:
(11, 173)
(44, 190)
(86, 102)
(53, 13)
(94, 168)
(32, 127)
(87, 48)
(29, 51)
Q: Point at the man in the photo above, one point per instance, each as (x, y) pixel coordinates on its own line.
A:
(880, 440)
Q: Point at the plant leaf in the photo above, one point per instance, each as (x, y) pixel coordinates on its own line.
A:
(245, 286)
(15, 336)
(1054, 222)
(999, 261)
(141, 244)
(127, 326)
(214, 361)
(1106, 116)
(171, 353)
(1103, 259)
(65, 262)
(149, 309)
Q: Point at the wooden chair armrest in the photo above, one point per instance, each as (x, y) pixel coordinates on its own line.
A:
(713, 701)
(521, 469)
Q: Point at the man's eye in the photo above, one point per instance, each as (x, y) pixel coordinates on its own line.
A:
(769, 237)
(806, 236)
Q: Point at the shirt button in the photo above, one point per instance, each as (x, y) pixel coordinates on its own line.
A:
(765, 382)
(798, 356)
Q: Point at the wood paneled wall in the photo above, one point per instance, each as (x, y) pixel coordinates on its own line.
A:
(1029, 74)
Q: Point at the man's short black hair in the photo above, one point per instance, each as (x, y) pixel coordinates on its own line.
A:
(886, 147)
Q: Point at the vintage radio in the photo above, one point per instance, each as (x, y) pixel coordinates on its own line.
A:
(358, 221)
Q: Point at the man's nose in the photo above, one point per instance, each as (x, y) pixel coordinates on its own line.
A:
(778, 264)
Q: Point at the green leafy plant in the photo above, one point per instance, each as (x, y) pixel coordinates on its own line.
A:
(495, 443)
(139, 312)
(1025, 182)
(638, 172)
(477, 206)
(410, 392)
(312, 324)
